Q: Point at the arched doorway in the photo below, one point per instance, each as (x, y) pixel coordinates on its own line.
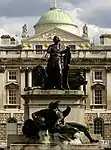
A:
(11, 126)
(99, 126)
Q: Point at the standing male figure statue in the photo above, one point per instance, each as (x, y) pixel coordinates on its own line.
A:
(66, 65)
(85, 30)
(54, 65)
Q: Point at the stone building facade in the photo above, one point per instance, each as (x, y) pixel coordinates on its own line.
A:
(16, 59)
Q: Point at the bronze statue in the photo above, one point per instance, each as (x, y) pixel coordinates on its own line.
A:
(52, 119)
(76, 80)
(53, 65)
(71, 81)
(66, 65)
(56, 74)
(39, 77)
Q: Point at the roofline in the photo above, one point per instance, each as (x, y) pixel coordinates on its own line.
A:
(105, 35)
(86, 40)
(55, 24)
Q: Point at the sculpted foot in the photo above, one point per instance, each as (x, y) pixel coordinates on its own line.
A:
(94, 141)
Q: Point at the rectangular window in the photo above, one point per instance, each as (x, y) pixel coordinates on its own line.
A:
(12, 96)
(102, 40)
(12, 75)
(72, 47)
(5, 41)
(98, 96)
(98, 75)
(39, 48)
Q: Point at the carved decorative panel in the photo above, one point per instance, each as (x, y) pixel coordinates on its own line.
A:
(89, 117)
(18, 116)
(106, 117)
(63, 35)
(4, 117)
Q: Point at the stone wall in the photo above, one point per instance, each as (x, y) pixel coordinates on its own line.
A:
(2, 131)
(19, 129)
(89, 121)
(107, 131)
(3, 124)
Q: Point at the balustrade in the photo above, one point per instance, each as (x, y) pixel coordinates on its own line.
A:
(36, 54)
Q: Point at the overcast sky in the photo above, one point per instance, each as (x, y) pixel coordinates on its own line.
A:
(14, 13)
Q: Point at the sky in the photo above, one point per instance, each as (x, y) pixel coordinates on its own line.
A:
(15, 13)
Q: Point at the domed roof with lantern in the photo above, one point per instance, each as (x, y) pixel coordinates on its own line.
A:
(56, 17)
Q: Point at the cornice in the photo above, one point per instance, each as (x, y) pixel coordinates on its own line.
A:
(24, 68)
(108, 69)
(91, 59)
(24, 61)
(28, 60)
(2, 69)
(82, 68)
(91, 62)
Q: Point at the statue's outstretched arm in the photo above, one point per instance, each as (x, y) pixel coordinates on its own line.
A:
(66, 111)
(63, 51)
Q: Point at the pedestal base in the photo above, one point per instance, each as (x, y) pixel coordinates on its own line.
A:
(36, 100)
(52, 147)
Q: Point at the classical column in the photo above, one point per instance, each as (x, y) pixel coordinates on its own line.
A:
(30, 78)
(26, 110)
(81, 88)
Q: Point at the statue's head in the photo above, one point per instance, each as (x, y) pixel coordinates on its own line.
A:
(54, 105)
(56, 39)
(68, 48)
(39, 70)
(78, 72)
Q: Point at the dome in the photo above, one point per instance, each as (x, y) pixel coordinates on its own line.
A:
(55, 16)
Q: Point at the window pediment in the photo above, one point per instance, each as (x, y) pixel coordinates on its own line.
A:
(12, 85)
(100, 85)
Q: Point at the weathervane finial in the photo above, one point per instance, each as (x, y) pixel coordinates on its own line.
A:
(54, 5)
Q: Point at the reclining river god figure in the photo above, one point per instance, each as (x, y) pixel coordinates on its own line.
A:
(52, 120)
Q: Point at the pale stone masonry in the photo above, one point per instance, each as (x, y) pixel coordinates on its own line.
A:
(92, 111)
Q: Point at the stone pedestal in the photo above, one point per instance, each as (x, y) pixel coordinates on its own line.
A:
(51, 147)
(36, 99)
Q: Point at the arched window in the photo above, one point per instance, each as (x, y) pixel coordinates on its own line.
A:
(11, 126)
(99, 126)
